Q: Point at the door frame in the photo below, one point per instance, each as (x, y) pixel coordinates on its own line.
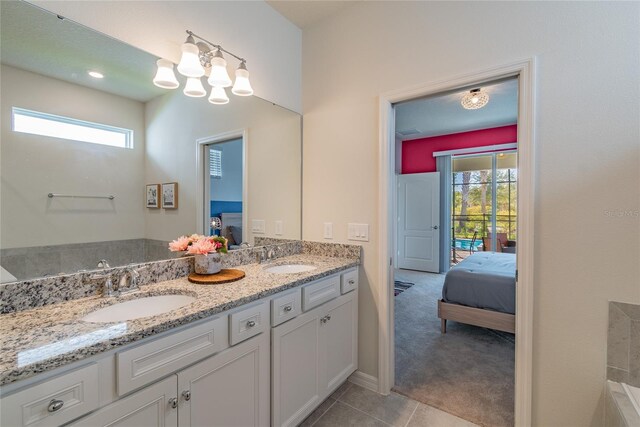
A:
(396, 216)
(201, 143)
(524, 70)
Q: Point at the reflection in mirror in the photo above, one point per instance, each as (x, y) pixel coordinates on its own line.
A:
(107, 140)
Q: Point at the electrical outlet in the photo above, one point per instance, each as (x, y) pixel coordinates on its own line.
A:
(278, 228)
(328, 230)
(359, 232)
(258, 226)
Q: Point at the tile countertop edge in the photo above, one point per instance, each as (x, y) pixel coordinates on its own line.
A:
(11, 375)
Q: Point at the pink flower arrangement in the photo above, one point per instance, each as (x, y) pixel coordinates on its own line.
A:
(199, 245)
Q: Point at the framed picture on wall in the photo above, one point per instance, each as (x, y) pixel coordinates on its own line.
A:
(152, 196)
(170, 195)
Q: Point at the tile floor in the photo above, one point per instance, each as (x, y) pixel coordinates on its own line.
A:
(352, 405)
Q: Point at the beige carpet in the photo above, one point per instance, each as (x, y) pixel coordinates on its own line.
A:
(467, 372)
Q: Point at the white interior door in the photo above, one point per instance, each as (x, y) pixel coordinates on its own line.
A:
(419, 221)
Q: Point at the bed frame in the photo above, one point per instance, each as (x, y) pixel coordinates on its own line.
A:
(475, 316)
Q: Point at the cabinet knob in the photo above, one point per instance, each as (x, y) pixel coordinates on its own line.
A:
(251, 323)
(173, 402)
(186, 395)
(55, 405)
(288, 308)
(328, 317)
(351, 281)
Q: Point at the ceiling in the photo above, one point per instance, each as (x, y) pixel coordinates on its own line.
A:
(38, 41)
(442, 115)
(304, 13)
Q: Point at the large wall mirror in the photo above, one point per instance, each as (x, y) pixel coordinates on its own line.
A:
(144, 165)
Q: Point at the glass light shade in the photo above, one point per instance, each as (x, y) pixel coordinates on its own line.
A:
(475, 99)
(165, 78)
(219, 76)
(242, 86)
(194, 88)
(218, 96)
(190, 65)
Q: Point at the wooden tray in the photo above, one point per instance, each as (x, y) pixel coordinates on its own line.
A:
(226, 275)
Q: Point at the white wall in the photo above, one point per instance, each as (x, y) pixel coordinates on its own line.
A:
(174, 124)
(33, 166)
(250, 29)
(588, 156)
(229, 187)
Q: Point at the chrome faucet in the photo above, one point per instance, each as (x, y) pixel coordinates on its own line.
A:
(108, 289)
(261, 254)
(129, 279)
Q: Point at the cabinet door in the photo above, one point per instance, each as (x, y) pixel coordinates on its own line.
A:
(149, 407)
(228, 389)
(295, 346)
(339, 339)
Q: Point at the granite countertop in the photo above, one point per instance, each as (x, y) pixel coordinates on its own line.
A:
(41, 339)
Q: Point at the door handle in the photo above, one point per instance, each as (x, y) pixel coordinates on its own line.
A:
(435, 227)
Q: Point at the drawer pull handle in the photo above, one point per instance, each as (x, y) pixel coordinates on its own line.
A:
(186, 395)
(251, 323)
(351, 281)
(55, 405)
(288, 308)
(173, 402)
(325, 319)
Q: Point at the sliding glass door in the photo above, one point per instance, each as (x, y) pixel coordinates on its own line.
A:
(484, 196)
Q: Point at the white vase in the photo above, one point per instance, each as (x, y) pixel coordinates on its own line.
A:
(210, 263)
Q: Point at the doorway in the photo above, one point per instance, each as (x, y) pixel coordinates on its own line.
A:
(523, 71)
(222, 178)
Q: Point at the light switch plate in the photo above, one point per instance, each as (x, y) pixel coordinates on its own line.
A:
(258, 226)
(328, 230)
(279, 228)
(359, 232)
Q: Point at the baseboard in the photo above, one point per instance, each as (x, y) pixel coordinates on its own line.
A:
(364, 380)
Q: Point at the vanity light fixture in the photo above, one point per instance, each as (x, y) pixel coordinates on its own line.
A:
(95, 74)
(197, 58)
(476, 98)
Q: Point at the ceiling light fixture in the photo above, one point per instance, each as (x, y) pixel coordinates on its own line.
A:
(475, 99)
(196, 59)
(96, 75)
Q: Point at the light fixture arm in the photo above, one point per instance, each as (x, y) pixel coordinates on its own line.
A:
(216, 46)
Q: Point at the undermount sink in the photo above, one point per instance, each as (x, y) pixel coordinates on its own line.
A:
(289, 268)
(138, 308)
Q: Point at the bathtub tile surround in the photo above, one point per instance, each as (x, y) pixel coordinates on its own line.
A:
(623, 343)
(33, 262)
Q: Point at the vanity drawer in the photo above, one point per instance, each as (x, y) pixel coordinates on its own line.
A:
(248, 322)
(53, 402)
(349, 281)
(285, 307)
(320, 292)
(146, 363)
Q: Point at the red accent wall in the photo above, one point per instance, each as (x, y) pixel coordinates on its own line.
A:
(417, 154)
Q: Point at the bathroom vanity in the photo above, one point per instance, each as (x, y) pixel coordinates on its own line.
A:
(266, 350)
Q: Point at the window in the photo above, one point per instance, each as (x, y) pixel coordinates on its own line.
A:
(36, 123)
(215, 163)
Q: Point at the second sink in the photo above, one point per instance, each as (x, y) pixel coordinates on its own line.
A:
(289, 268)
(138, 308)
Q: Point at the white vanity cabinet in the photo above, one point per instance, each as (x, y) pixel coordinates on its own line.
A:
(228, 389)
(269, 362)
(312, 355)
(153, 406)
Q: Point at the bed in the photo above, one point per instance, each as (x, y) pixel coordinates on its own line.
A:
(232, 228)
(481, 291)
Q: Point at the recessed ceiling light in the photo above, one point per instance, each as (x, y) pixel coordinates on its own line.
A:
(96, 75)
